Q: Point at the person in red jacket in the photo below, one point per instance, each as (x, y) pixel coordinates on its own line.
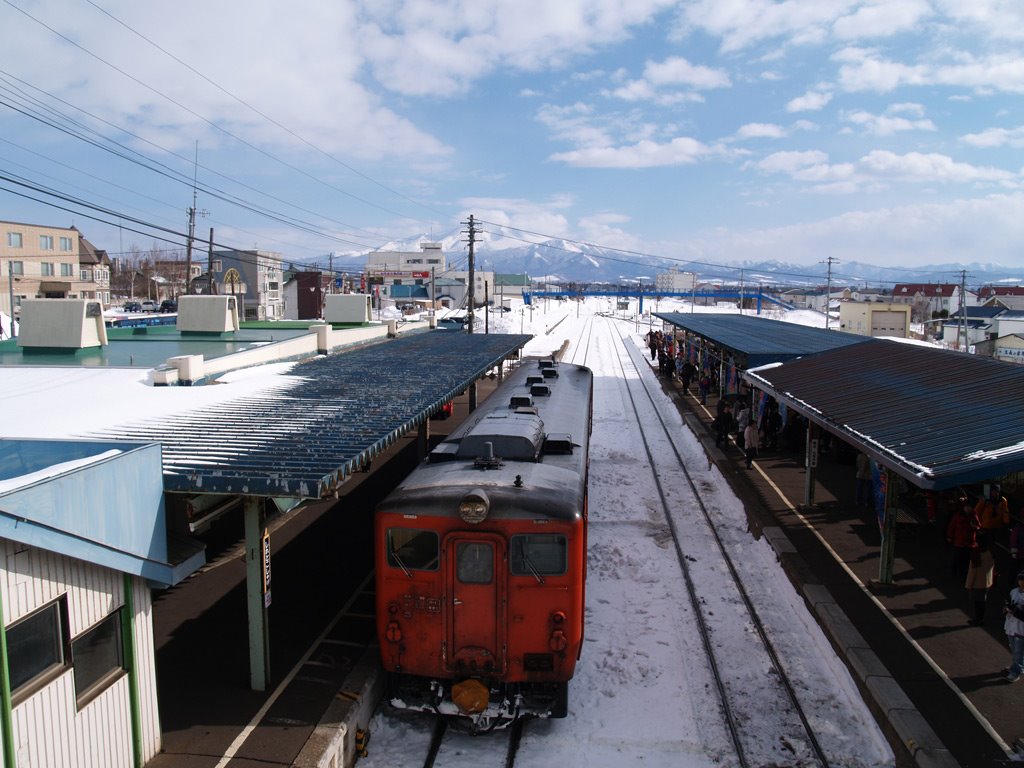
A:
(962, 533)
(993, 512)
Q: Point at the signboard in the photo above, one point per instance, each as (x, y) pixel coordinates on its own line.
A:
(266, 568)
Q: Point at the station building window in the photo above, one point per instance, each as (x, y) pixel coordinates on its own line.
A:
(98, 655)
(38, 649)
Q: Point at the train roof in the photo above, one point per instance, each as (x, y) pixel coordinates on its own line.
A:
(531, 461)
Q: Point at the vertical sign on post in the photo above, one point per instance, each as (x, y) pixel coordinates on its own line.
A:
(266, 568)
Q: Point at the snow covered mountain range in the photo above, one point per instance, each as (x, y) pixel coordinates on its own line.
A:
(561, 261)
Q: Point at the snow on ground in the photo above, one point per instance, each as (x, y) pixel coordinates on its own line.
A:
(634, 699)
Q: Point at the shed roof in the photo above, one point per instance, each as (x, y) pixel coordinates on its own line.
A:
(303, 440)
(759, 339)
(936, 417)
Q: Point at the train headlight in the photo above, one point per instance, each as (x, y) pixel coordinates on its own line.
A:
(474, 507)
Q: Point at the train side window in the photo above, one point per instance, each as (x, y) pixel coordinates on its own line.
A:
(412, 549)
(538, 554)
(474, 562)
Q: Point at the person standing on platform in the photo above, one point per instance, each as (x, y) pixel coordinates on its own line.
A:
(962, 534)
(980, 573)
(1013, 625)
(993, 512)
(751, 442)
(742, 420)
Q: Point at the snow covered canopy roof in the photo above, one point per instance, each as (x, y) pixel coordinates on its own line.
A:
(936, 417)
(759, 340)
(343, 410)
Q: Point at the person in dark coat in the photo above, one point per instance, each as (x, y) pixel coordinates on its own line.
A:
(722, 424)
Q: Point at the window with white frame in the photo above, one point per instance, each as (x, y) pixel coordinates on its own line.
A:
(14, 239)
(65, 243)
(17, 267)
(38, 649)
(46, 268)
(67, 270)
(46, 242)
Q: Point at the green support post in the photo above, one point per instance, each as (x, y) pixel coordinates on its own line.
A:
(887, 555)
(131, 666)
(6, 716)
(257, 593)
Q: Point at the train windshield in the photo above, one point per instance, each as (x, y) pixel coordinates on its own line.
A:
(535, 554)
(413, 550)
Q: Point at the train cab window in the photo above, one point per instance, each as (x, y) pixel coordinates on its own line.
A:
(538, 554)
(474, 562)
(412, 550)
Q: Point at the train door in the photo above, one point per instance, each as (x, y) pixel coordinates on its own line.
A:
(476, 618)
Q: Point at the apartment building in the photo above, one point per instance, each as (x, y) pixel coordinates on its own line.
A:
(40, 262)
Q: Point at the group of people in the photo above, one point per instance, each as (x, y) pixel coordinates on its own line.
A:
(971, 532)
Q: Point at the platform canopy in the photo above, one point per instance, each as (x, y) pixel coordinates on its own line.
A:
(303, 441)
(936, 417)
(760, 340)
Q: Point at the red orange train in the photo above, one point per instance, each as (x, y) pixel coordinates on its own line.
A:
(482, 556)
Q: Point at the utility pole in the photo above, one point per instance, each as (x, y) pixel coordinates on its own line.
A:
(963, 311)
(472, 232)
(828, 288)
(192, 225)
(212, 286)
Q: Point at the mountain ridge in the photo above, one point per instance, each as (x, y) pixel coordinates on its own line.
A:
(563, 261)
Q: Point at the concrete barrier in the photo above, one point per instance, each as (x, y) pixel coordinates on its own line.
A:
(333, 742)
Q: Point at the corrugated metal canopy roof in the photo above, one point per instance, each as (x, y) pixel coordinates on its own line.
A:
(302, 441)
(758, 339)
(936, 417)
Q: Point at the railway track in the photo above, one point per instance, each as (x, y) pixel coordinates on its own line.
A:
(721, 696)
(750, 679)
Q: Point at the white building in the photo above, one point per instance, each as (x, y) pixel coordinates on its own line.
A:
(82, 537)
(675, 281)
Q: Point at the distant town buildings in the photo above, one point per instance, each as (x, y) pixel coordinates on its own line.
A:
(255, 278)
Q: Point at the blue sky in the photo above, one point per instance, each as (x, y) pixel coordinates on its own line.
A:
(886, 132)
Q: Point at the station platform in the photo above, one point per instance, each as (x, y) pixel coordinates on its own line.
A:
(935, 682)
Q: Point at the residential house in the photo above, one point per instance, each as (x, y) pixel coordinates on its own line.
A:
(304, 294)
(931, 300)
(1007, 296)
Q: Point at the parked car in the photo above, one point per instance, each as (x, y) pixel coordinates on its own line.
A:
(132, 306)
(168, 305)
(150, 306)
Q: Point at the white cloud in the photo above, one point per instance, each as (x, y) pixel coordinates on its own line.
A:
(881, 18)
(880, 166)
(441, 47)
(962, 231)
(996, 137)
(865, 70)
(886, 125)
(643, 154)
(672, 74)
(760, 131)
(812, 101)
(743, 23)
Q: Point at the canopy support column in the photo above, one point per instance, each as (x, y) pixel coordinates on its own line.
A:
(887, 554)
(257, 592)
(810, 463)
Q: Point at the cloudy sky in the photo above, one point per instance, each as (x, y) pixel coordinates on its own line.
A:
(882, 131)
